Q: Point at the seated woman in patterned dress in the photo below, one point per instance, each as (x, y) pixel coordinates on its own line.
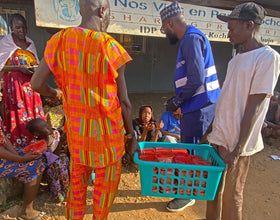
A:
(26, 168)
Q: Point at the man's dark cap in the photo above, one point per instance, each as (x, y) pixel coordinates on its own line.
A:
(248, 11)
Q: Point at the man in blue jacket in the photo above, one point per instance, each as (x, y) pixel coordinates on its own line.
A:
(195, 80)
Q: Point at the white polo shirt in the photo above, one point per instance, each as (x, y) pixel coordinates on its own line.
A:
(253, 72)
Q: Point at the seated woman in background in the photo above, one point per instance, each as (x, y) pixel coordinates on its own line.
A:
(57, 157)
(271, 125)
(273, 112)
(145, 126)
(26, 168)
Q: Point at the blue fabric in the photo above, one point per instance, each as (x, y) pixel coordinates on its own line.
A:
(171, 124)
(194, 59)
(24, 172)
(194, 124)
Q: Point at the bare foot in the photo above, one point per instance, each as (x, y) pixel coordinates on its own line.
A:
(34, 215)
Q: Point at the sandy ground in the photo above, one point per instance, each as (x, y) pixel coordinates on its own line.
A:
(261, 196)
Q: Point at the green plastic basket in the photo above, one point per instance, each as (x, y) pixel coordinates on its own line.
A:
(181, 180)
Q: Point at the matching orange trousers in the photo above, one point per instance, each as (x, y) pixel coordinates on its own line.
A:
(105, 189)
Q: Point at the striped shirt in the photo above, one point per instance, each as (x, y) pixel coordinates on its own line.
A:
(85, 65)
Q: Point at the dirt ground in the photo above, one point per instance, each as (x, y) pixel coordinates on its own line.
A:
(261, 196)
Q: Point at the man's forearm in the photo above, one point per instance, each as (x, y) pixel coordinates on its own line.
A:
(46, 90)
(126, 113)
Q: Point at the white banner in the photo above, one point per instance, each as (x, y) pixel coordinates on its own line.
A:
(141, 17)
(57, 13)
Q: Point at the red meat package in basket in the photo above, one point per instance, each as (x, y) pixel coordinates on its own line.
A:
(37, 147)
(148, 154)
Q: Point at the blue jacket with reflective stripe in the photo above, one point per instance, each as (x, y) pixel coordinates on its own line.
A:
(196, 80)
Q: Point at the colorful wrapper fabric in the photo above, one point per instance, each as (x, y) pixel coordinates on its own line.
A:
(105, 189)
(85, 65)
(24, 172)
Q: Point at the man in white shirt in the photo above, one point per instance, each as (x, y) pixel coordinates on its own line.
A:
(241, 109)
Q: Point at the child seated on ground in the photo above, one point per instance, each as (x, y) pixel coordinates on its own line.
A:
(171, 129)
(270, 129)
(57, 157)
(145, 126)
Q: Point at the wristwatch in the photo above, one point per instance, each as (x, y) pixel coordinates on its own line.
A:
(130, 135)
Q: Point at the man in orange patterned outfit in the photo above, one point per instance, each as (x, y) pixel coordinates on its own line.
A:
(88, 66)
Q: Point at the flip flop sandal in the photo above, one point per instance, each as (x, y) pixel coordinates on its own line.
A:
(41, 214)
